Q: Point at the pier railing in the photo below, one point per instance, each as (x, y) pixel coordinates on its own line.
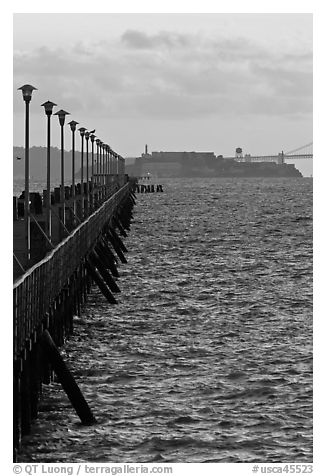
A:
(35, 290)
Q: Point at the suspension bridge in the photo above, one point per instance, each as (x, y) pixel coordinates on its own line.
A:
(305, 152)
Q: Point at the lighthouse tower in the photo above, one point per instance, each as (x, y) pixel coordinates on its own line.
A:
(238, 154)
(146, 154)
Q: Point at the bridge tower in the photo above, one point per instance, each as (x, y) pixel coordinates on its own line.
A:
(280, 158)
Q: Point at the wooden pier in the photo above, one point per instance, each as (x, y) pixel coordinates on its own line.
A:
(52, 291)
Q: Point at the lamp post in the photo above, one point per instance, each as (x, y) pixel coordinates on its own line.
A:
(123, 166)
(109, 167)
(92, 137)
(109, 178)
(109, 159)
(62, 116)
(105, 169)
(120, 165)
(48, 108)
(117, 160)
(112, 165)
(97, 163)
(87, 174)
(82, 134)
(113, 157)
(27, 91)
(73, 125)
(111, 162)
(121, 170)
(101, 171)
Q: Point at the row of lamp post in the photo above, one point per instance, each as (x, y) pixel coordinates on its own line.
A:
(104, 166)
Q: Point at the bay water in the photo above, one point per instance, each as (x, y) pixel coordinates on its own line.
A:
(208, 355)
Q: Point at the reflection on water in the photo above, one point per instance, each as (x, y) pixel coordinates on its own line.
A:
(208, 356)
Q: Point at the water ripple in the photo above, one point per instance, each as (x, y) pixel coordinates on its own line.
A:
(208, 356)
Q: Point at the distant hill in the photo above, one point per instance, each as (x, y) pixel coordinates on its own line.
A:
(37, 163)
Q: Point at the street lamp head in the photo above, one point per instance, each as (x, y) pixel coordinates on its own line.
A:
(48, 107)
(73, 125)
(82, 131)
(86, 135)
(27, 90)
(98, 141)
(61, 114)
(92, 136)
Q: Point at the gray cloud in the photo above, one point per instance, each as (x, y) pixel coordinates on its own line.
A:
(170, 75)
(139, 40)
(283, 81)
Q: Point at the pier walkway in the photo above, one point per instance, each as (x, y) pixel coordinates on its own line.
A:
(51, 292)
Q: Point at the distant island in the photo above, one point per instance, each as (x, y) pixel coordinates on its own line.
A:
(160, 164)
(205, 164)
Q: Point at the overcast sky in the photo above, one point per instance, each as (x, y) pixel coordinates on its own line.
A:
(204, 82)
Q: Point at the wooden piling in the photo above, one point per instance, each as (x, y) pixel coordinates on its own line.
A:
(26, 397)
(17, 431)
(116, 247)
(104, 272)
(108, 257)
(35, 378)
(67, 380)
(118, 240)
(117, 223)
(100, 282)
(125, 216)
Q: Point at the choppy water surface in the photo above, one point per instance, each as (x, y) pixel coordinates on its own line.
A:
(35, 186)
(208, 356)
